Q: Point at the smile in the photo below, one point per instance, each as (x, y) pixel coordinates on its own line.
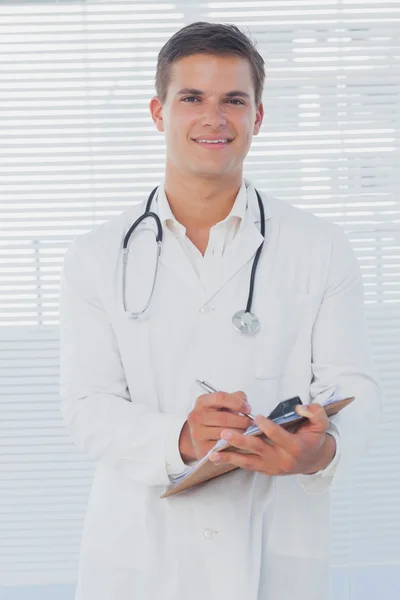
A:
(214, 143)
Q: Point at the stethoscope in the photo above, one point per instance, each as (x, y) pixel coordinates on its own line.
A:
(243, 321)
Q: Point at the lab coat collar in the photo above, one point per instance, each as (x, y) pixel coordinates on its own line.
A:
(252, 203)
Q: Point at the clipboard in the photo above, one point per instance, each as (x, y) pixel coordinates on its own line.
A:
(284, 415)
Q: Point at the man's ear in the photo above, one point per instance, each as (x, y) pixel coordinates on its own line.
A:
(259, 119)
(156, 113)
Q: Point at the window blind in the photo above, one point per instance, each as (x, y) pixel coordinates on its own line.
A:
(78, 146)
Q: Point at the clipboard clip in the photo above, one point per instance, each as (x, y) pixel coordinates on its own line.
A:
(286, 408)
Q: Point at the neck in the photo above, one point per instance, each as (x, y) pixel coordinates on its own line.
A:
(199, 202)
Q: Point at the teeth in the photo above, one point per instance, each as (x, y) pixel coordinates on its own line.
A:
(212, 141)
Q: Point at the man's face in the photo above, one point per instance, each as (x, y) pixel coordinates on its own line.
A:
(209, 98)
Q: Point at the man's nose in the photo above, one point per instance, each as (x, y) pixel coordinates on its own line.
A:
(214, 116)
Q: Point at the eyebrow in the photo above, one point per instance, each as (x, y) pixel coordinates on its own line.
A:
(194, 92)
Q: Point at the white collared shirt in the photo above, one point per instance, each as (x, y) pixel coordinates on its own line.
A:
(221, 235)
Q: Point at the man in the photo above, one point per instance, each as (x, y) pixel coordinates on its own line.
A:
(128, 385)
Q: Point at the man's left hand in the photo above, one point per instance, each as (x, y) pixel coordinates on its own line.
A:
(283, 453)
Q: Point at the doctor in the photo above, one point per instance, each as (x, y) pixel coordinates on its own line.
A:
(128, 385)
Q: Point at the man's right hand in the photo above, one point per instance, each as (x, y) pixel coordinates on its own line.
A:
(208, 418)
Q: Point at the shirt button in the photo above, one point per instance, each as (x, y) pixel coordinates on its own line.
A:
(209, 534)
(205, 310)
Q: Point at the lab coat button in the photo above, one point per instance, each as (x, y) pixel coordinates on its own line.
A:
(209, 534)
(205, 310)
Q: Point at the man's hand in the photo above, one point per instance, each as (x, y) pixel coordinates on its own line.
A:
(210, 416)
(306, 451)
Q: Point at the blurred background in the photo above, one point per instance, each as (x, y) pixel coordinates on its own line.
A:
(77, 146)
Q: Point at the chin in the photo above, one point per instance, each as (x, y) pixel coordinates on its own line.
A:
(210, 174)
(210, 170)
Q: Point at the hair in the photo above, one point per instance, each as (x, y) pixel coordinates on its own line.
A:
(208, 38)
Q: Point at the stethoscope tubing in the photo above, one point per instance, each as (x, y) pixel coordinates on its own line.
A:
(159, 237)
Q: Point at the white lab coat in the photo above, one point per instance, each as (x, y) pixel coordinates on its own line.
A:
(125, 383)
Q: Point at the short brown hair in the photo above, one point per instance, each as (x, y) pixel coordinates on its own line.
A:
(208, 38)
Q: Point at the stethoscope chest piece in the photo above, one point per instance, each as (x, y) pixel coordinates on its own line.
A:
(246, 322)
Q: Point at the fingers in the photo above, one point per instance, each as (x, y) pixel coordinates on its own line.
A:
(318, 423)
(315, 413)
(248, 443)
(219, 410)
(277, 434)
(287, 453)
(222, 419)
(251, 462)
(213, 433)
(212, 413)
(236, 402)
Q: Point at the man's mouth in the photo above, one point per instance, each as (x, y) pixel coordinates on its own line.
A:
(217, 142)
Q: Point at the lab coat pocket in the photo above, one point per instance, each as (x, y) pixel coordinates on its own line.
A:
(277, 338)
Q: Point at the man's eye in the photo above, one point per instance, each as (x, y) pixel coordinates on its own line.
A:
(192, 99)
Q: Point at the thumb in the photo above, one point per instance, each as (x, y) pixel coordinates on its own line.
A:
(309, 410)
(315, 413)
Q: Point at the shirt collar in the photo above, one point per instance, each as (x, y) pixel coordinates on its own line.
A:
(167, 217)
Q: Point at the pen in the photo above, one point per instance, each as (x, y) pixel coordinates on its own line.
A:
(210, 389)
